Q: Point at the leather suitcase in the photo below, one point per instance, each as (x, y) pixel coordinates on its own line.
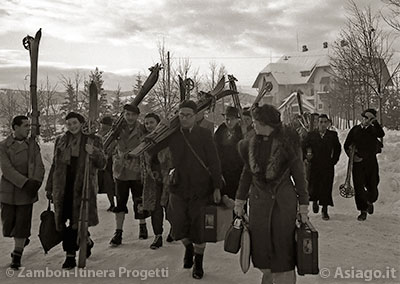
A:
(217, 220)
(306, 249)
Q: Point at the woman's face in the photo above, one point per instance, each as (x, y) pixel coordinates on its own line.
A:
(261, 128)
(73, 125)
(150, 123)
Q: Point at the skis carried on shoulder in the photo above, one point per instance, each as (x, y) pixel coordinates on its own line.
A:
(88, 129)
(32, 45)
(115, 130)
(164, 130)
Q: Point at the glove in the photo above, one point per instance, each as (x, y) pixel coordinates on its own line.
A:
(31, 187)
(303, 212)
(217, 196)
(229, 203)
(239, 207)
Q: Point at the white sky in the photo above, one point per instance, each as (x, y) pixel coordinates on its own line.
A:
(122, 36)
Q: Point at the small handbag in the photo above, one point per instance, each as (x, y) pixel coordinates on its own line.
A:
(233, 236)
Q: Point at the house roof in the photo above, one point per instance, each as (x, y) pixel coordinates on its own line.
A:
(290, 99)
(295, 68)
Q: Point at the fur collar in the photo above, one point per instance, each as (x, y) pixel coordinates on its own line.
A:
(284, 149)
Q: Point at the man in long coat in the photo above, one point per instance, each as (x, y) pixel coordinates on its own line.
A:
(18, 190)
(322, 149)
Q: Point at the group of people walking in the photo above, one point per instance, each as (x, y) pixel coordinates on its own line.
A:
(255, 162)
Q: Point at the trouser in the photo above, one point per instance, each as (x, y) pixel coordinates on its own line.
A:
(157, 215)
(365, 180)
(16, 220)
(287, 277)
(122, 193)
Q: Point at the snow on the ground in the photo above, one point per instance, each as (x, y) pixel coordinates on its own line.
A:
(343, 241)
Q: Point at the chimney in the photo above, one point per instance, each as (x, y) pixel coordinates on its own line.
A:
(325, 45)
(305, 48)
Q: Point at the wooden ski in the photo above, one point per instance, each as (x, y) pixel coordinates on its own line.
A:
(236, 102)
(32, 44)
(164, 130)
(83, 225)
(113, 134)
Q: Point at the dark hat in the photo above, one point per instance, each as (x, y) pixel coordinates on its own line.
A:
(231, 112)
(246, 111)
(76, 115)
(107, 120)
(370, 110)
(132, 108)
(153, 115)
(268, 115)
(189, 104)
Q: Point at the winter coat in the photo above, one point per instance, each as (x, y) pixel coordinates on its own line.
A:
(155, 174)
(231, 162)
(365, 140)
(126, 167)
(14, 167)
(194, 181)
(266, 178)
(57, 178)
(325, 154)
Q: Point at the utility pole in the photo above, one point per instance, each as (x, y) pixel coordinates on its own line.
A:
(168, 74)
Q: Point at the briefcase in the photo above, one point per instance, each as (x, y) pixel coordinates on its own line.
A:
(306, 249)
(217, 220)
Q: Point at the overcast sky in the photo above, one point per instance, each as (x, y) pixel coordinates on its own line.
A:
(122, 36)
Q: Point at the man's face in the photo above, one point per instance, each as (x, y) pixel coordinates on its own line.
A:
(323, 124)
(367, 118)
(73, 125)
(231, 122)
(247, 120)
(23, 130)
(187, 117)
(150, 123)
(130, 117)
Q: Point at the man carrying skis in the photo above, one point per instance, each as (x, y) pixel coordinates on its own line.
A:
(127, 174)
(365, 168)
(18, 192)
(194, 180)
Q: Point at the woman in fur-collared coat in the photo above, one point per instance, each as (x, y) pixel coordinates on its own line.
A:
(65, 182)
(272, 158)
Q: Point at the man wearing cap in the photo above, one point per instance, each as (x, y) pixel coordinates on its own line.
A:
(106, 180)
(227, 138)
(127, 174)
(18, 191)
(194, 180)
(365, 167)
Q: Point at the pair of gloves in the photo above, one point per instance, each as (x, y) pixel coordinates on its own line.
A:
(31, 187)
(239, 210)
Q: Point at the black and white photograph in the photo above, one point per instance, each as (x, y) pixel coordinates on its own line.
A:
(189, 141)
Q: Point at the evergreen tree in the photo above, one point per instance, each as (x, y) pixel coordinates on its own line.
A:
(116, 106)
(70, 103)
(97, 77)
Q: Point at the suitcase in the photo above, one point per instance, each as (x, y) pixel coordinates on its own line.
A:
(217, 220)
(306, 249)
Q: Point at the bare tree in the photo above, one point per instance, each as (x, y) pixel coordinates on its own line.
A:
(49, 109)
(9, 107)
(361, 56)
(393, 16)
